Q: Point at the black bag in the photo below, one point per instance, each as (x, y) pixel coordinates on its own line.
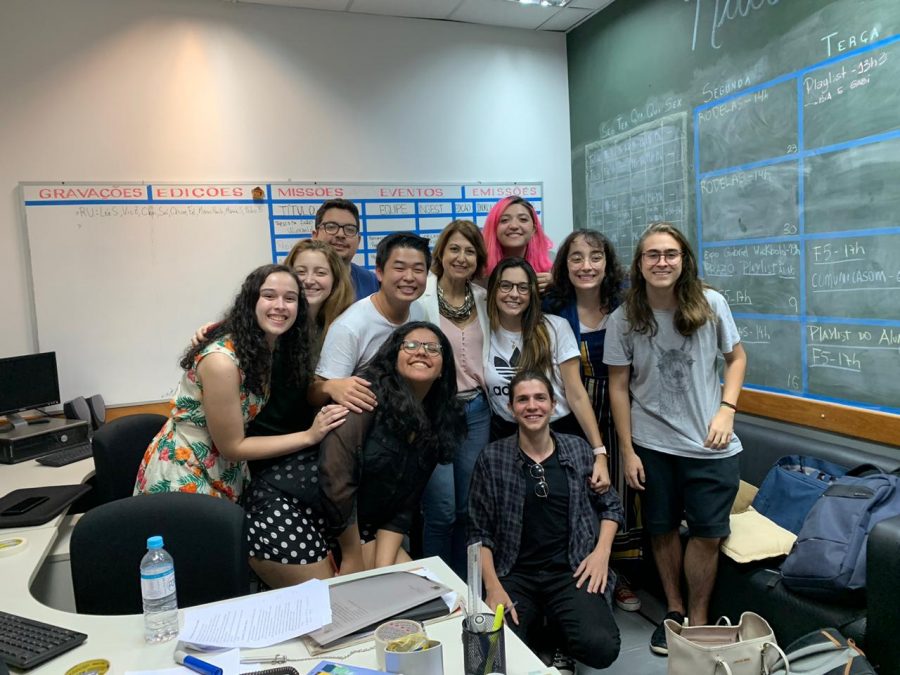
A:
(824, 652)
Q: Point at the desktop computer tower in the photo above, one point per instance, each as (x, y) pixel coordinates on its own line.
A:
(36, 440)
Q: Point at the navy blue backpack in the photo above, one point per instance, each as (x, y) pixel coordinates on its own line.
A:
(829, 556)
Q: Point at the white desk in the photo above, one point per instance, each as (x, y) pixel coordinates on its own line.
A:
(119, 639)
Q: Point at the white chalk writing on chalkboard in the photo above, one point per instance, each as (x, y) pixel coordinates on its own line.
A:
(637, 177)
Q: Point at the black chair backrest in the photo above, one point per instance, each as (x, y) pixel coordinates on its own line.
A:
(205, 536)
(119, 447)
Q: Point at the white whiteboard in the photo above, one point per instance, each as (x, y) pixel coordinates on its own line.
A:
(123, 274)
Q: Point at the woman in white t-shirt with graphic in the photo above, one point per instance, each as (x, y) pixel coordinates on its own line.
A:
(523, 338)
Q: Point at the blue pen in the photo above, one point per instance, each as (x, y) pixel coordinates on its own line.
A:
(196, 664)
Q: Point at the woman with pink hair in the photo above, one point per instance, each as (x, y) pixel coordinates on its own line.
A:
(513, 229)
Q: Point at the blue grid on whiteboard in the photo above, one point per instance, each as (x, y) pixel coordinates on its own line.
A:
(636, 177)
(293, 219)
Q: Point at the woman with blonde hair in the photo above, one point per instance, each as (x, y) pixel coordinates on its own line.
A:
(326, 284)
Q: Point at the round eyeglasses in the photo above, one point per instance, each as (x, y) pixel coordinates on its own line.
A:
(507, 286)
(541, 488)
(653, 257)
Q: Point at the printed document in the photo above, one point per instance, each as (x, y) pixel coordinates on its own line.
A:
(259, 620)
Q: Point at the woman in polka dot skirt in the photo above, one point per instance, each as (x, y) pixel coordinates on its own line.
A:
(285, 526)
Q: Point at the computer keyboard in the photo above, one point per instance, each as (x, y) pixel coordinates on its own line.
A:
(25, 643)
(67, 455)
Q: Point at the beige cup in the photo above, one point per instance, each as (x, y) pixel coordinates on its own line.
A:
(428, 661)
(391, 630)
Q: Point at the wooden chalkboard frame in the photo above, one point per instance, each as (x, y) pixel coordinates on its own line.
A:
(870, 425)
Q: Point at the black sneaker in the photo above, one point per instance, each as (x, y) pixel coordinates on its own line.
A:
(563, 663)
(658, 639)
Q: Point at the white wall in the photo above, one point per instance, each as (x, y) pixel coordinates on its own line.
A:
(188, 90)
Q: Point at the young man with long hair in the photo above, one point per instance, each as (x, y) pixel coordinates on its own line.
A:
(674, 419)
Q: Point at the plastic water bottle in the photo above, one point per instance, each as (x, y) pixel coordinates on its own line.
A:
(158, 591)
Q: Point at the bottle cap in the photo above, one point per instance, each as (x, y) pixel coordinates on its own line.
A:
(155, 542)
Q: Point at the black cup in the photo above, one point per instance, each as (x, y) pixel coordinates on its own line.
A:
(483, 652)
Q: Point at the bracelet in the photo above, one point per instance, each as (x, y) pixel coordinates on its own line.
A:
(599, 450)
(728, 405)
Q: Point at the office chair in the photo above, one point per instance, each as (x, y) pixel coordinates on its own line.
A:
(204, 534)
(118, 450)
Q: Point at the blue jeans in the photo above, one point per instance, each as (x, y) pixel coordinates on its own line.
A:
(446, 500)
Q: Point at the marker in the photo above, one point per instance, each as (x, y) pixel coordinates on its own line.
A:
(498, 618)
(196, 664)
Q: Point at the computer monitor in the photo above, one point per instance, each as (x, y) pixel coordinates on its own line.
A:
(27, 382)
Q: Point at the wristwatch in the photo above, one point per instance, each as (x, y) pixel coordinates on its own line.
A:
(599, 450)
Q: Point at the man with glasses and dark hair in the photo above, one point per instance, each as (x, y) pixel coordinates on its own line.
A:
(337, 223)
(401, 265)
(546, 537)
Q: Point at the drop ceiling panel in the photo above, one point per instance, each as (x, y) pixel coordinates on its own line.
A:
(595, 5)
(503, 13)
(333, 5)
(421, 9)
(489, 12)
(564, 19)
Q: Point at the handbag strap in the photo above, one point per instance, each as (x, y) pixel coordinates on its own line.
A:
(867, 469)
(783, 660)
(722, 620)
(725, 667)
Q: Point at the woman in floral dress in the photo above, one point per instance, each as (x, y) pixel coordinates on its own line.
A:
(203, 446)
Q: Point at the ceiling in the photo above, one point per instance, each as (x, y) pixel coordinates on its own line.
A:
(488, 12)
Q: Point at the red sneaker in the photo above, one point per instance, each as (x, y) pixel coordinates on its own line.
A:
(625, 598)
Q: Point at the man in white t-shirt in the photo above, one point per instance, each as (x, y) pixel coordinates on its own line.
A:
(401, 265)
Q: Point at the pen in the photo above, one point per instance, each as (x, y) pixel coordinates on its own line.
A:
(196, 664)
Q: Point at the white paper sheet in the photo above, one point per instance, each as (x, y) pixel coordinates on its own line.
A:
(229, 662)
(259, 620)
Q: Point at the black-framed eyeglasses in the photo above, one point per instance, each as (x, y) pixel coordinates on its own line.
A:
(412, 346)
(541, 488)
(349, 230)
(507, 286)
(653, 257)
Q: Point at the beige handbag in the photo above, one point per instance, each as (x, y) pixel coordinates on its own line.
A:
(749, 648)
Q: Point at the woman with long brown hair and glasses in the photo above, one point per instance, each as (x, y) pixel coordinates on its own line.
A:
(523, 338)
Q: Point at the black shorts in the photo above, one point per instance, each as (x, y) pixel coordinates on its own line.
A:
(281, 528)
(701, 491)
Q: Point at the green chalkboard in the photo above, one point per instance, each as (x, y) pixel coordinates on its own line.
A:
(769, 131)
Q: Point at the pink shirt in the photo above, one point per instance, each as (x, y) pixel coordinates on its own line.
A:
(467, 344)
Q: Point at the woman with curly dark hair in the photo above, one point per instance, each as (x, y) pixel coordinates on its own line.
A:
(587, 286)
(203, 446)
(374, 468)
